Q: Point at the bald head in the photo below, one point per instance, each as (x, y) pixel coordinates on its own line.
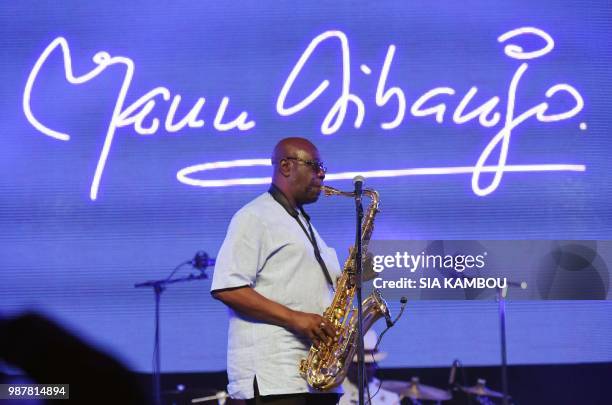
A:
(292, 147)
(298, 179)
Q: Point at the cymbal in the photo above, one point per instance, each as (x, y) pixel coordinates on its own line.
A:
(415, 390)
(481, 390)
(395, 386)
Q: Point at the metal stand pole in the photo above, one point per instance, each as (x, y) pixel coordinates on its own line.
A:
(361, 378)
(504, 359)
(158, 287)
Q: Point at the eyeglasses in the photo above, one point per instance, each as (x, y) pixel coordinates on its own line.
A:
(316, 165)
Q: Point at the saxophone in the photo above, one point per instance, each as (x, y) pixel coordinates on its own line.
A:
(327, 364)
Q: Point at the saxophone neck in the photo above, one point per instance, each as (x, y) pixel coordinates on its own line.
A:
(372, 209)
(372, 194)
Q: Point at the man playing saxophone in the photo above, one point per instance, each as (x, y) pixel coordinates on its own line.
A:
(276, 275)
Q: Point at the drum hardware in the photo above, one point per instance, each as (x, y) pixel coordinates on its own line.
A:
(484, 394)
(184, 396)
(416, 391)
(220, 397)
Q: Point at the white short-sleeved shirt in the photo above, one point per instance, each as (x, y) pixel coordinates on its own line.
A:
(265, 248)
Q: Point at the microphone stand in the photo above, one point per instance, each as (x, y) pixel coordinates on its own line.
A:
(358, 280)
(158, 287)
(501, 299)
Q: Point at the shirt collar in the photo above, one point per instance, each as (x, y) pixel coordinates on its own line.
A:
(282, 199)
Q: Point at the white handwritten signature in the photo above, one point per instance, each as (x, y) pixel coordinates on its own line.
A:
(496, 150)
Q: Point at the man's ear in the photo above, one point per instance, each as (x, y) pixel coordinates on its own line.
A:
(284, 167)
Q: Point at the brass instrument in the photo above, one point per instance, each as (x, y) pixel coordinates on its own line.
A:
(327, 364)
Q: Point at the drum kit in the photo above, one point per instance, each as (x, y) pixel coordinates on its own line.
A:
(416, 393)
(413, 392)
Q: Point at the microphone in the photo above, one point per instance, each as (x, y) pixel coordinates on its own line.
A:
(358, 182)
(201, 260)
(403, 301)
(388, 320)
(391, 323)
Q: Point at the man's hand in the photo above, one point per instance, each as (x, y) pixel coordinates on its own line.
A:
(250, 303)
(314, 327)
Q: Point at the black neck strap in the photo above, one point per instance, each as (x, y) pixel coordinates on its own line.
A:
(280, 198)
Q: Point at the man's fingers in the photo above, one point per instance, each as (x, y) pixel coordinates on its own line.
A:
(330, 331)
(316, 328)
(325, 331)
(327, 328)
(320, 334)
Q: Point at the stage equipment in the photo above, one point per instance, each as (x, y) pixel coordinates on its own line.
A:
(200, 262)
(501, 300)
(187, 396)
(358, 270)
(416, 391)
(219, 397)
(481, 390)
(327, 365)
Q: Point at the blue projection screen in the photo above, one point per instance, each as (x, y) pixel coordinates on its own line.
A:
(132, 132)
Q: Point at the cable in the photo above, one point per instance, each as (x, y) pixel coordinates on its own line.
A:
(176, 269)
(403, 301)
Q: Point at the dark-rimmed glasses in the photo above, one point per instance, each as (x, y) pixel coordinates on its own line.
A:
(316, 165)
